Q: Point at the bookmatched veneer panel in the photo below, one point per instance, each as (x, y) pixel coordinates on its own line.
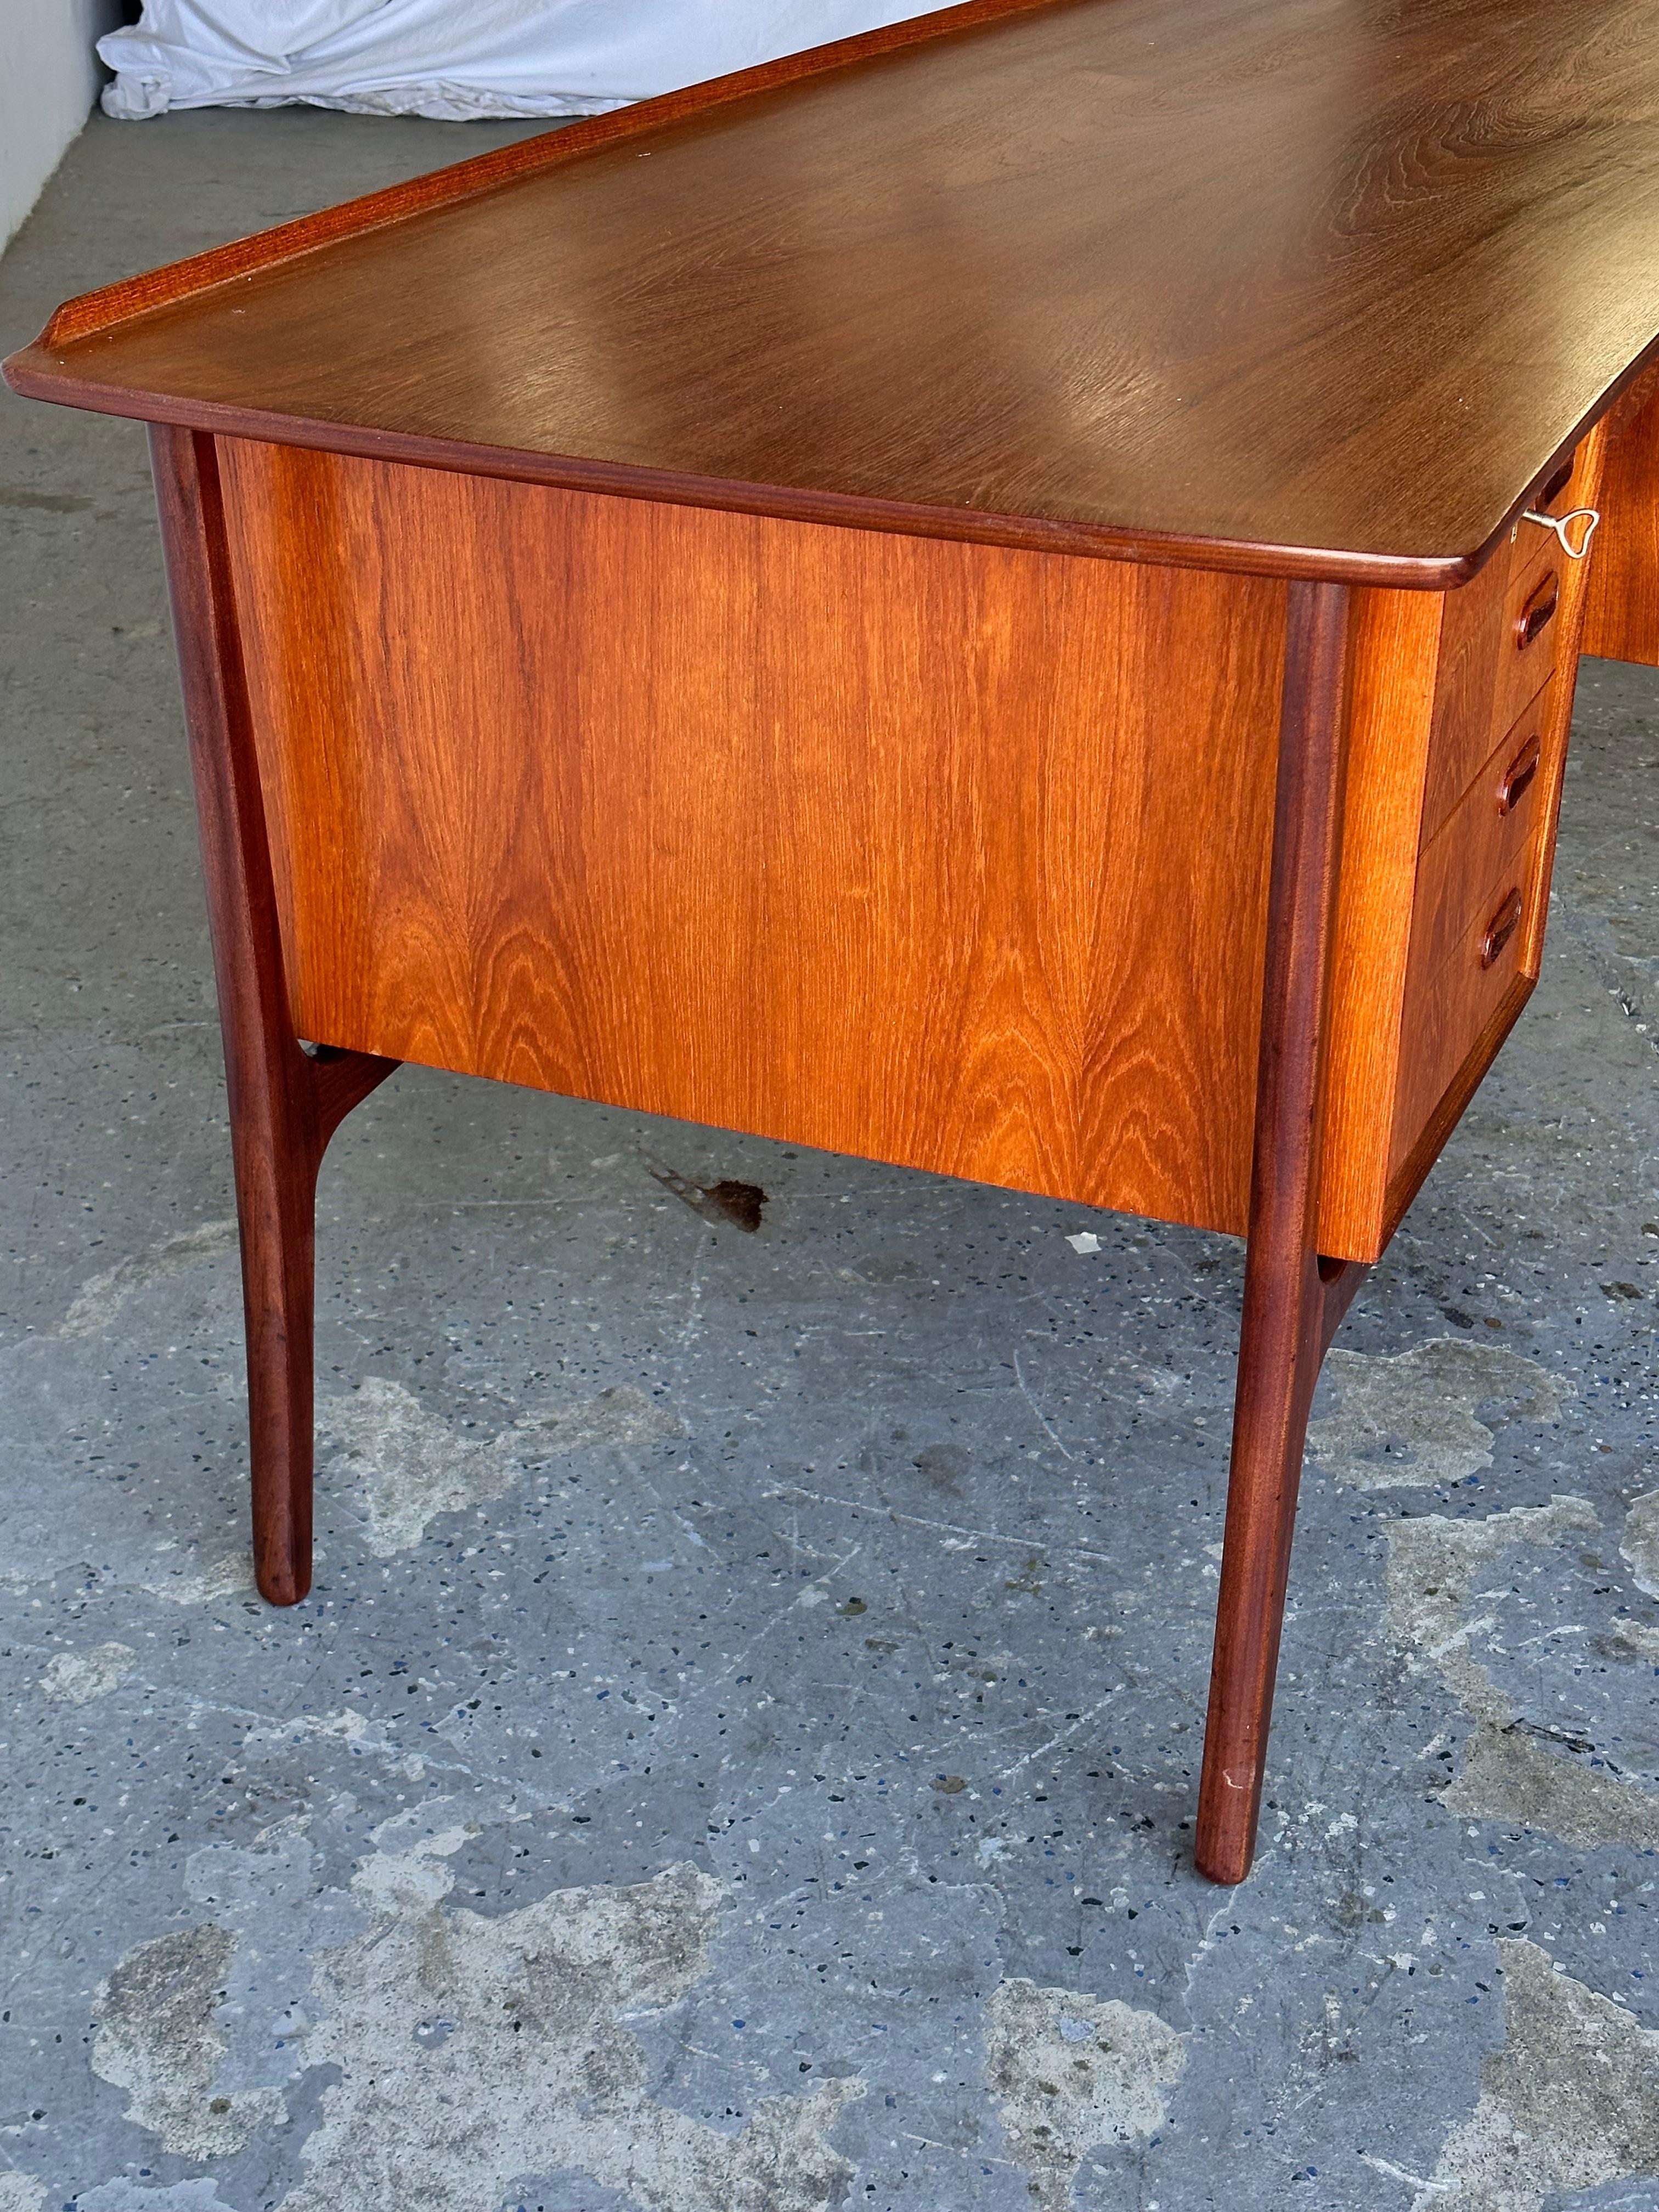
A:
(946, 854)
(973, 880)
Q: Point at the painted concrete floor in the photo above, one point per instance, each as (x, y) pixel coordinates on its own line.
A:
(741, 1750)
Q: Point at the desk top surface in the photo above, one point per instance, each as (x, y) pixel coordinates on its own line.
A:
(1317, 286)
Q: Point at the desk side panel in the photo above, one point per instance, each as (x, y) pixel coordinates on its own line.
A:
(945, 854)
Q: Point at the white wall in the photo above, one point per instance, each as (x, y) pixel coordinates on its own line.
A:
(49, 78)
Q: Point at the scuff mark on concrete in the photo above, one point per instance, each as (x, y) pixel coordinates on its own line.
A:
(101, 1297)
(535, 2070)
(1071, 2071)
(409, 1465)
(22, 2192)
(157, 2039)
(394, 1882)
(1507, 1776)
(1432, 1562)
(620, 1415)
(1407, 1420)
(189, 1584)
(1570, 2100)
(124, 2196)
(1640, 1547)
(76, 1678)
(1635, 1636)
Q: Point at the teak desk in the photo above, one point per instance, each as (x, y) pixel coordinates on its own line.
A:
(971, 596)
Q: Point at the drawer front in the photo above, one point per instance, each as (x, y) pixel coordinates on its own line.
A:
(1482, 851)
(1503, 638)
(1469, 921)
(1533, 628)
(1566, 487)
(1447, 1011)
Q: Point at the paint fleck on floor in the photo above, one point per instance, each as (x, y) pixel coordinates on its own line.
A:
(739, 1754)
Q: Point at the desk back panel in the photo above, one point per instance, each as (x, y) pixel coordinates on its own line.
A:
(947, 854)
(1623, 620)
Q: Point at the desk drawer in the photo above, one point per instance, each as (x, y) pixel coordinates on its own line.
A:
(1483, 846)
(1503, 636)
(1565, 488)
(1474, 891)
(1534, 625)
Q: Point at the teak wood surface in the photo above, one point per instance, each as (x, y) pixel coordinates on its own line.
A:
(947, 854)
(1622, 620)
(632, 641)
(1305, 287)
(952, 855)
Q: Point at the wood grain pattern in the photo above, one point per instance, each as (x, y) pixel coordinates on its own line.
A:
(1456, 1011)
(1479, 851)
(947, 856)
(1452, 1007)
(1622, 620)
(284, 1105)
(1486, 678)
(1287, 1308)
(1525, 658)
(1395, 657)
(1080, 275)
(890, 830)
(1472, 642)
(112, 304)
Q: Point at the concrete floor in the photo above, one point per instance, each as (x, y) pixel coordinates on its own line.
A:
(741, 1750)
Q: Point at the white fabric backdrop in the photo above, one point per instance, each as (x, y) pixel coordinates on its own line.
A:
(456, 58)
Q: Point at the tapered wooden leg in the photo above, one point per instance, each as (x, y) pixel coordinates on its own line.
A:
(285, 1103)
(1293, 1299)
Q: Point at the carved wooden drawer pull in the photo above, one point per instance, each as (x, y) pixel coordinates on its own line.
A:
(1517, 777)
(1499, 930)
(1538, 613)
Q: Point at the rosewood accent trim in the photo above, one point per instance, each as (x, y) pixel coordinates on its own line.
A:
(33, 373)
(30, 372)
(285, 1103)
(637, 444)
(1340, 1281)
(1518, 775)
(1293, 1300)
